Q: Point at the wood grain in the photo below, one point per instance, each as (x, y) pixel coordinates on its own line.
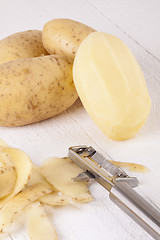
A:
(139, 20)
(137, 24)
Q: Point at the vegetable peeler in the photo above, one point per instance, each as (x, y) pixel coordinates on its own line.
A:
(119, 185)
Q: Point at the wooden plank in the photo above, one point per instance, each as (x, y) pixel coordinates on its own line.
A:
(145, 146)
(73, 127)
(139, 20)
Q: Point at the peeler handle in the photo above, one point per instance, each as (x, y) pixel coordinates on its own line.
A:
(137, 208)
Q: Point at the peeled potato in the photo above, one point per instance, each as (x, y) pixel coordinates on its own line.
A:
(60, 173)
(111, 85)
(23, 166)
(35, 89)
(63, 37)
(20, 45)
(39, 226)
(54, 199)
(19, 202)
(2, 143)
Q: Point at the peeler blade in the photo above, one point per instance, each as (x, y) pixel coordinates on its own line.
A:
(97, 167)
(119, 185)
(84, 176)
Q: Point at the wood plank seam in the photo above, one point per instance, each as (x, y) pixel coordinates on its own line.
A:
(86, 133)
(129, 36)
(106, 154)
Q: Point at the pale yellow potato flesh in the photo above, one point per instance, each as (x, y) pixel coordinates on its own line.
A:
(111, 85)
(20, 45)
(39, 226)
(60, 173)
(22, 164)
(15, 205)
(63, 37)
(54, 199)
(35, 89)
(3, 143)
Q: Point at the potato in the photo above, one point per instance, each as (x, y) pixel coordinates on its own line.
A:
(26, 44)
(43, 229)
(7, 180)
(2, 143)
(35, 89)
(60, 173)
(111, 85)
(15, 205)
(63, 37)
(22, 166)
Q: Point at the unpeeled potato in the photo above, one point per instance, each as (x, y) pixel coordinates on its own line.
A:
(63, 37)
(35, 89)
(26, 44)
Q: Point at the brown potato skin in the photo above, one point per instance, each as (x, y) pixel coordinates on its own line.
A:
(63, 37)
(20, 45)
(35, 89)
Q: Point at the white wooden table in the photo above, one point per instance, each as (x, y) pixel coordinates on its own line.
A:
(137, 23)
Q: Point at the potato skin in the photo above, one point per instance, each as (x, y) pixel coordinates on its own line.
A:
(20, 45)
(63, 37)
(35, 89)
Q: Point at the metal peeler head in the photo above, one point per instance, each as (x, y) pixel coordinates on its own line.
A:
(97, 167)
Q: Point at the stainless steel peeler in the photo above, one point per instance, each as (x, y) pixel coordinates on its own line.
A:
(119, 185)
